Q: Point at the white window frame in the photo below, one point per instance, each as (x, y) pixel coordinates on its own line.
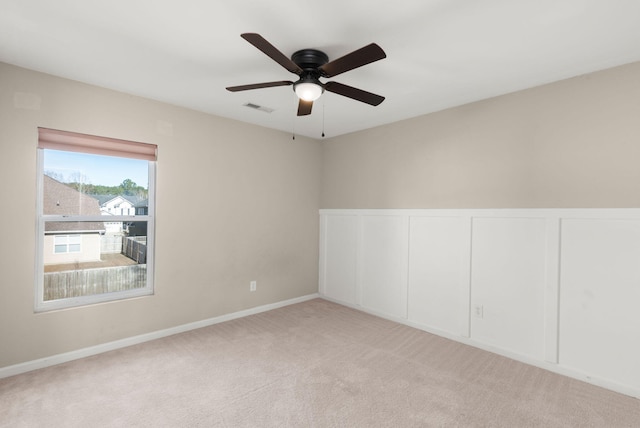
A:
(40, 304)
(67, 243)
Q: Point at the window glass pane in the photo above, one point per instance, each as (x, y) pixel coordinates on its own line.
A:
(87, 184)
(93, 261)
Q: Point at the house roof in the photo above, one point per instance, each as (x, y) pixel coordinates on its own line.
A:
(142, 203)
(60, 199)
(104, 199)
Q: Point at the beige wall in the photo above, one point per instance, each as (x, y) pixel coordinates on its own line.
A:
(252, 196)
(574, 143)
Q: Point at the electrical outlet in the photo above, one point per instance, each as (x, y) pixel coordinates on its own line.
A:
(478, 311)
(253, 285)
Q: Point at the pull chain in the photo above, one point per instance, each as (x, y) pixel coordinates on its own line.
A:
(293, 128)
(323, 118)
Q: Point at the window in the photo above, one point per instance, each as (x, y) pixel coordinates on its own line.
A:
(86, 254)
(66, 243)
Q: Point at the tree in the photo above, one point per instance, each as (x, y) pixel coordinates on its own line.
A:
(78, 177)
(129, 187)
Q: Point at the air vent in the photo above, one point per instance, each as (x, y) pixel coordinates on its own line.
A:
(257, 107)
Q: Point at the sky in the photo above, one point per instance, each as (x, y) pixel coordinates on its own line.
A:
(98, 170)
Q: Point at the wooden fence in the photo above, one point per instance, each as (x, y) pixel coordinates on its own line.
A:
(87, 282)
(111, 244)
(135, 247)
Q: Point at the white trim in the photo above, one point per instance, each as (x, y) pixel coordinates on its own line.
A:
(359, 261)
(74, 302)
(97, 217)
(465, 280)
(322, 275)
(555, 368)
(135, 340)
(552, 292)
(151, 226)
(564, 213)
(39, 256)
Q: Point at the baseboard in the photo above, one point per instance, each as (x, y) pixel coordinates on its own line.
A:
(122, 343)
(555, 368)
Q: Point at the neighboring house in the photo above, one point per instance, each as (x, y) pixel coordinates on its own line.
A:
(117, 205)
(142, 207)
(139, 228)
(74, 241)
(112, 227)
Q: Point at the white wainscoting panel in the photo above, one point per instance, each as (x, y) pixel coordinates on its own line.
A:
(338, 272)
(557, 288)
(600, 298)
(439, 269)
(383, 264)
(508, 273)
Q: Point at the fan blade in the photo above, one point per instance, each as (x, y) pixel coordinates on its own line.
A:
(355, 59)
(259, 85)
(271, 51)
(304, 107)
(355, 93)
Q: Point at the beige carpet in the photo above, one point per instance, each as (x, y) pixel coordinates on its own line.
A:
(314, 364)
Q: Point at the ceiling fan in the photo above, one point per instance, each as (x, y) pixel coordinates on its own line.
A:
(311, 65)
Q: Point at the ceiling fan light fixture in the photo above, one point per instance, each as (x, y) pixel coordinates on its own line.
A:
(310, 65)
(308, 91)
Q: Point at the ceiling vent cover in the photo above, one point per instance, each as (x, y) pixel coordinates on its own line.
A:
(258, 107)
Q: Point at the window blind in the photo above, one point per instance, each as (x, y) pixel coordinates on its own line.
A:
(75, 142)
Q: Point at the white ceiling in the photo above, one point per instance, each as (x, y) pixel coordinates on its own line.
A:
(440, 53)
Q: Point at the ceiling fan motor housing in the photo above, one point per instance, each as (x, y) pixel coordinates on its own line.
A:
(310, 59)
